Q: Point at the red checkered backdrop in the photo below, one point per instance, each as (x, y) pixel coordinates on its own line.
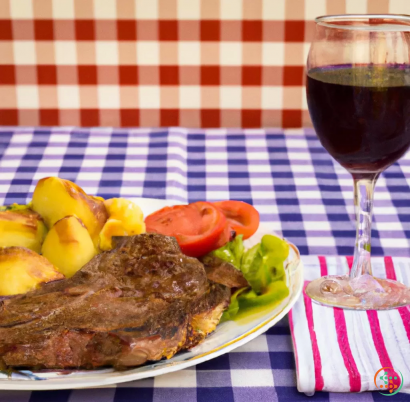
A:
(193, 63)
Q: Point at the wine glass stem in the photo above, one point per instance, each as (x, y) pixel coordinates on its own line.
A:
(363, 200)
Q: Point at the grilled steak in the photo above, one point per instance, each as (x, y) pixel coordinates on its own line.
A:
(144, 300)
(223, 272)
(206, 314)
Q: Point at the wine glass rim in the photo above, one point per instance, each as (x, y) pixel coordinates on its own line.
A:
(402, 22)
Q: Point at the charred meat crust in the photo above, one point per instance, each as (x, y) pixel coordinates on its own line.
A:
(223, 272)
(206, 314)
(142, 301)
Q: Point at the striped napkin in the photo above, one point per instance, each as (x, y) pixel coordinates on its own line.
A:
(340, 350)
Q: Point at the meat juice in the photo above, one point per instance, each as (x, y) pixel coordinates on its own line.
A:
(361, 114)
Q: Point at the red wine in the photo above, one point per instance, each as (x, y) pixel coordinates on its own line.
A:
(361, 114)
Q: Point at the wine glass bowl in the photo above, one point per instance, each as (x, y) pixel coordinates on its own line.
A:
(358, 95)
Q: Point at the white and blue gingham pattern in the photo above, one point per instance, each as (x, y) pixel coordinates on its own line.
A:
(288, 176)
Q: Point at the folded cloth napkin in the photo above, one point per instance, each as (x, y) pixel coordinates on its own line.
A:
(341, 350)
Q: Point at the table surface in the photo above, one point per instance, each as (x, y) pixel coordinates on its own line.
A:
(289, 178)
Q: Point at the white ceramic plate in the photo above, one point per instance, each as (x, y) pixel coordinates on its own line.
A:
(227, 336)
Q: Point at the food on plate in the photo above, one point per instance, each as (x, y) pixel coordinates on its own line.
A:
(144, 297)
(220, 271)
(79, 224)
(262, 266)
(21, 227)
(125, 219)
(241, 217)
(14, 207)
(198, 227)
(22, 270)
(144, 300)
(247, 300)
(68, 245)
(206, 314)
(263, 263)
(202, 232)
(231, 252)
(56, 198)
(202, 227)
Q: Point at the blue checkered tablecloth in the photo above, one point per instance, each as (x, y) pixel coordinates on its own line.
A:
(289, 178)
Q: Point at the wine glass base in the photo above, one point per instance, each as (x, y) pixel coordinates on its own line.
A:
(363, 293)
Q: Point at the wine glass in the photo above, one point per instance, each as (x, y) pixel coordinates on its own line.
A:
(358, 94)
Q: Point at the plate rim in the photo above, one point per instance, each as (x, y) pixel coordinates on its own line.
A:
(121, 377)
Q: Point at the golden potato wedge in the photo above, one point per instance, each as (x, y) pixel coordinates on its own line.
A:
(22, 270)
(125, 219)
(56, 198)
(112, 227)
(21, 227)
(68, 245)
(127, 212)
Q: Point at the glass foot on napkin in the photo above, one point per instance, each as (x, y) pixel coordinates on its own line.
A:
(363, 293)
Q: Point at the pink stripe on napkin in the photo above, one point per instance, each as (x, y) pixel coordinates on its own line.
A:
(390, 272)
(293, 340)
(316, 354)
(323, 266)
(342, 338)
(363, 342)
(378, 339)
(350, 364)
(375, 328)
(403, 311)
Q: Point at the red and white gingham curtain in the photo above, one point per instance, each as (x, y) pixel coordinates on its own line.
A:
(194, 63)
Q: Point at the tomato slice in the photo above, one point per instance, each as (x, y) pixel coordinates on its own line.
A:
(226, 236)
(197, 227)
(243, 218)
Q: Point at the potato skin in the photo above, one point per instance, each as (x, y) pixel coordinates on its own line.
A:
(56, 198)
(125, 219)
(22, 270)
(68, 245)
(22, 227)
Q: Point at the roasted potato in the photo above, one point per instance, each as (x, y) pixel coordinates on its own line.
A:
(14, 207)
(22, 227)
(22, 270)
(68, 245)
(55, 198)
(125, 219)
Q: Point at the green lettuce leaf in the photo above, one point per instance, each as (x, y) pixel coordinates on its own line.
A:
(263, 268)
(263, 263)
(232, 252)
